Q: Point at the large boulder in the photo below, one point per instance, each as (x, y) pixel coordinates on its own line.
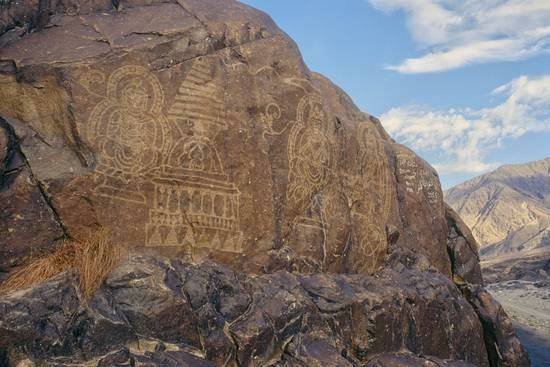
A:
(192, 129)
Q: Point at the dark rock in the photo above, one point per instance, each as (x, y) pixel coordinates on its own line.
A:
(314, 352)
(39, 320)
(159, 358)
(140, 293)
(145, 306)
(28, 224)
(410, 360)
(503, 346)
(463, 249)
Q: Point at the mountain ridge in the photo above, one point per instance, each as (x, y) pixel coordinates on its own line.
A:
(507, 209)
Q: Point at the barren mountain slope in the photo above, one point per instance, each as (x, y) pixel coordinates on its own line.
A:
(508, 209)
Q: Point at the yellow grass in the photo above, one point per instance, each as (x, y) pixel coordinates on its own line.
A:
(92, 258)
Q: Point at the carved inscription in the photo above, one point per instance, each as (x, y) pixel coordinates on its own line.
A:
(195, 205)
(191, 201)
(375, 171)
(417, 179)
(370, 243)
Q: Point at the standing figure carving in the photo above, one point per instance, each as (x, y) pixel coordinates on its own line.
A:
(311, 156)
(375, 198)
(310, 150)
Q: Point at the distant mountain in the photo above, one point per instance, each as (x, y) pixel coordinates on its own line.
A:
(508, 209)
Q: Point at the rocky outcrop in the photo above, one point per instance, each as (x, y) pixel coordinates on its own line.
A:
(407, 359)
(463, 249)
(156, 308)
(192, 130)
(508, 209)
(503, 347)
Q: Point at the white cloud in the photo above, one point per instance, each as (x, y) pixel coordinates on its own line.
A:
(456, 33)
(462, 138)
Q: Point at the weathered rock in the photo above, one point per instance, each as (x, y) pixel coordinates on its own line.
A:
(193, 129)
(410, 360)
(463, 249)
(157, 358)
(39, 319)
(28, 224)
(199, 133)
(503, 346)
(168, 309)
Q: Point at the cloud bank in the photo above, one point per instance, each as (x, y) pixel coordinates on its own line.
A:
(462, 138)
(456, 33)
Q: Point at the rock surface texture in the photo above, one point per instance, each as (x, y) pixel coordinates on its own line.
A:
(152, 310)
(192, 130)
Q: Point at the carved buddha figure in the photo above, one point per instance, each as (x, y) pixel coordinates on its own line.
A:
(128, 134)
(310, 150)
(310, 155)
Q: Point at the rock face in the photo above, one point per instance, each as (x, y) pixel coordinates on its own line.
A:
(200, 133)
(28, 224)
(508, 209)
(192, 130)
(149, 306)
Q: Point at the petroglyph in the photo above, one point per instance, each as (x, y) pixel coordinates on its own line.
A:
(375, 171)
(370, 187)
(417, 179)
(192, 203)
(369, 241)
(271, 114)
(311, 161)
(128, 130)
(195, 205)
(310, 151)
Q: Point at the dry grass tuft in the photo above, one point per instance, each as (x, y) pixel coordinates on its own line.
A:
(92, 258)
(42, 268)
(98, 257)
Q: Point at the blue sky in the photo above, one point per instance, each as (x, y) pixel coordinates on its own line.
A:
(465, 83)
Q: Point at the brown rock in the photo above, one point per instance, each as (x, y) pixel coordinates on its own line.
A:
(193, 129)
(28, 225)
(503, 346)
(463, 249)
(422, 208)
(134, 130)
